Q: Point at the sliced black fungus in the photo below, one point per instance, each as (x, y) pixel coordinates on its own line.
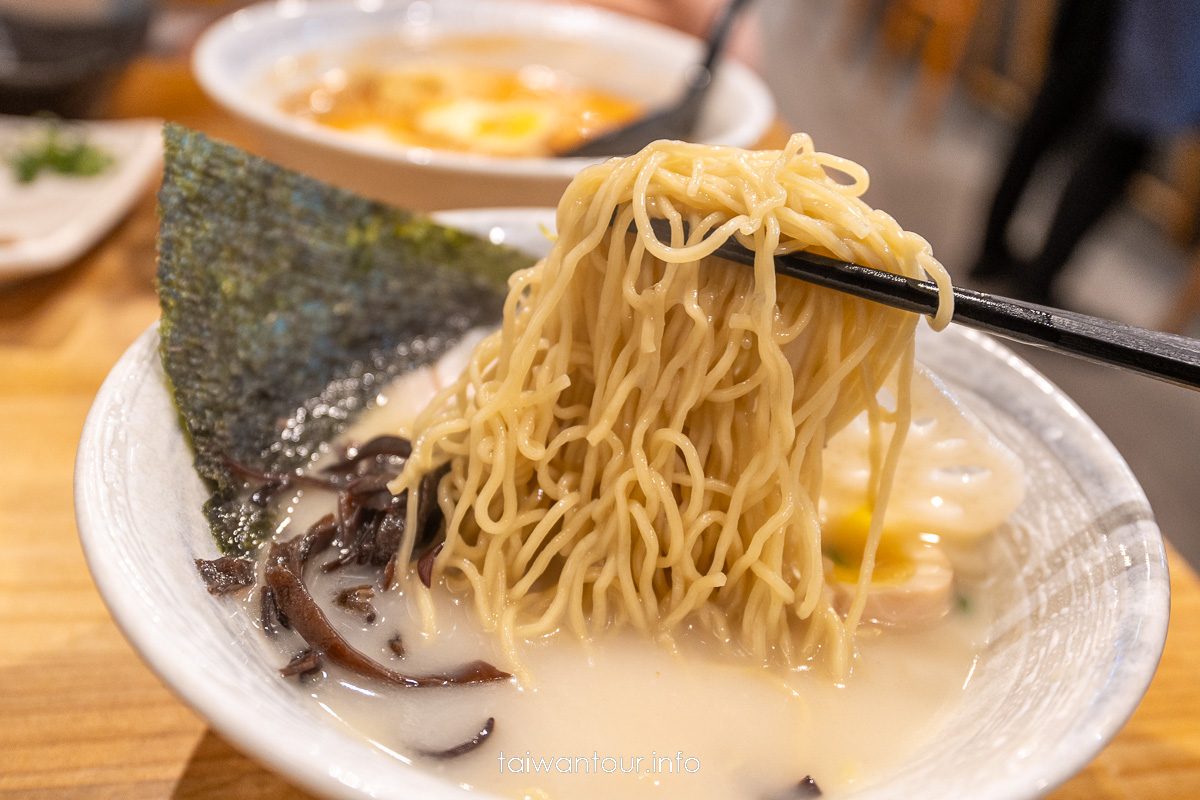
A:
(365, 474)
(807, 788)
(285, 575)
(475, 672)
(350, 518)
(381, 500)
(389, 572)
(271, 615)
(273, 481)
(262, 495)
(364, 482)
(467, 746)
(385, 446)
(302, 664)
(226, 574)
(389, 532)
(367, 535)
(358, 599)
(371, 490)
(429, 512)
(425, 564)
(396, 645)
(381, 450)
(322, 534)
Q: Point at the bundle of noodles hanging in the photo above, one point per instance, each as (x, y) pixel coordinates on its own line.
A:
(640, 444)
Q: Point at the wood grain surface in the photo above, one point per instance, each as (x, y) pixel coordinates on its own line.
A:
(82, 717)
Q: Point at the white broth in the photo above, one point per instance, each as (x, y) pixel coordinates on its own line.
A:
(702, 727)
(624, 716)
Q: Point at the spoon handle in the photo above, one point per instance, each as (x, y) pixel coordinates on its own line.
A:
(720, 32)
(674, 121)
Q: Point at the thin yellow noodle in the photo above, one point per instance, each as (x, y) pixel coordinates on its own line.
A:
(639, 444)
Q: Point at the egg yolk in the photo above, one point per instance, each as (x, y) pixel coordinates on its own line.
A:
(844, 540)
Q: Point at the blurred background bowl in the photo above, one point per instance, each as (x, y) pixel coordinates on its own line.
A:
(253, 59)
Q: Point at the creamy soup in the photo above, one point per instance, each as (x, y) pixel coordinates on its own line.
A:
(627, 716)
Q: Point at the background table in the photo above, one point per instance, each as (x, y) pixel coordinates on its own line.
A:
(82, 717)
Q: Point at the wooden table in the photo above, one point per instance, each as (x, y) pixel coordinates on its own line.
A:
(82, 717)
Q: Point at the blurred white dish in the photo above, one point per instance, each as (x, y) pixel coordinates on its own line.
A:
(249, 61)
(50, 222)
(1078, 581)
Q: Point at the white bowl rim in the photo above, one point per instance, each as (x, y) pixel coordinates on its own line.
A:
(236, 723)
(747, 131)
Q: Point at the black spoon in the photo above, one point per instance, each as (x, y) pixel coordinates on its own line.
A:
(678, 120)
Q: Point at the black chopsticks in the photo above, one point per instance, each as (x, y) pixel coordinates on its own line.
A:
(1165, 356)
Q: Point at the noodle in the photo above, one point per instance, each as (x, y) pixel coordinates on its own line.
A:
(640, 443)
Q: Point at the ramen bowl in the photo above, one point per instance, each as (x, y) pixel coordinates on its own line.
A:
(1077, 589)
(251, 61)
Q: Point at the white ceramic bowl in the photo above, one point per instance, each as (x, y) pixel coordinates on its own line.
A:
(1079, 584)
(250, 60)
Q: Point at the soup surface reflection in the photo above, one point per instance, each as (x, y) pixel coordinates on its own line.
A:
(530, 111)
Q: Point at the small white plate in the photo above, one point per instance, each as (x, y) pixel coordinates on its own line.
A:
(47, 224)
(1078, 580)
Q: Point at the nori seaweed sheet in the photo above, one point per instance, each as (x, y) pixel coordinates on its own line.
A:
(286, 302)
